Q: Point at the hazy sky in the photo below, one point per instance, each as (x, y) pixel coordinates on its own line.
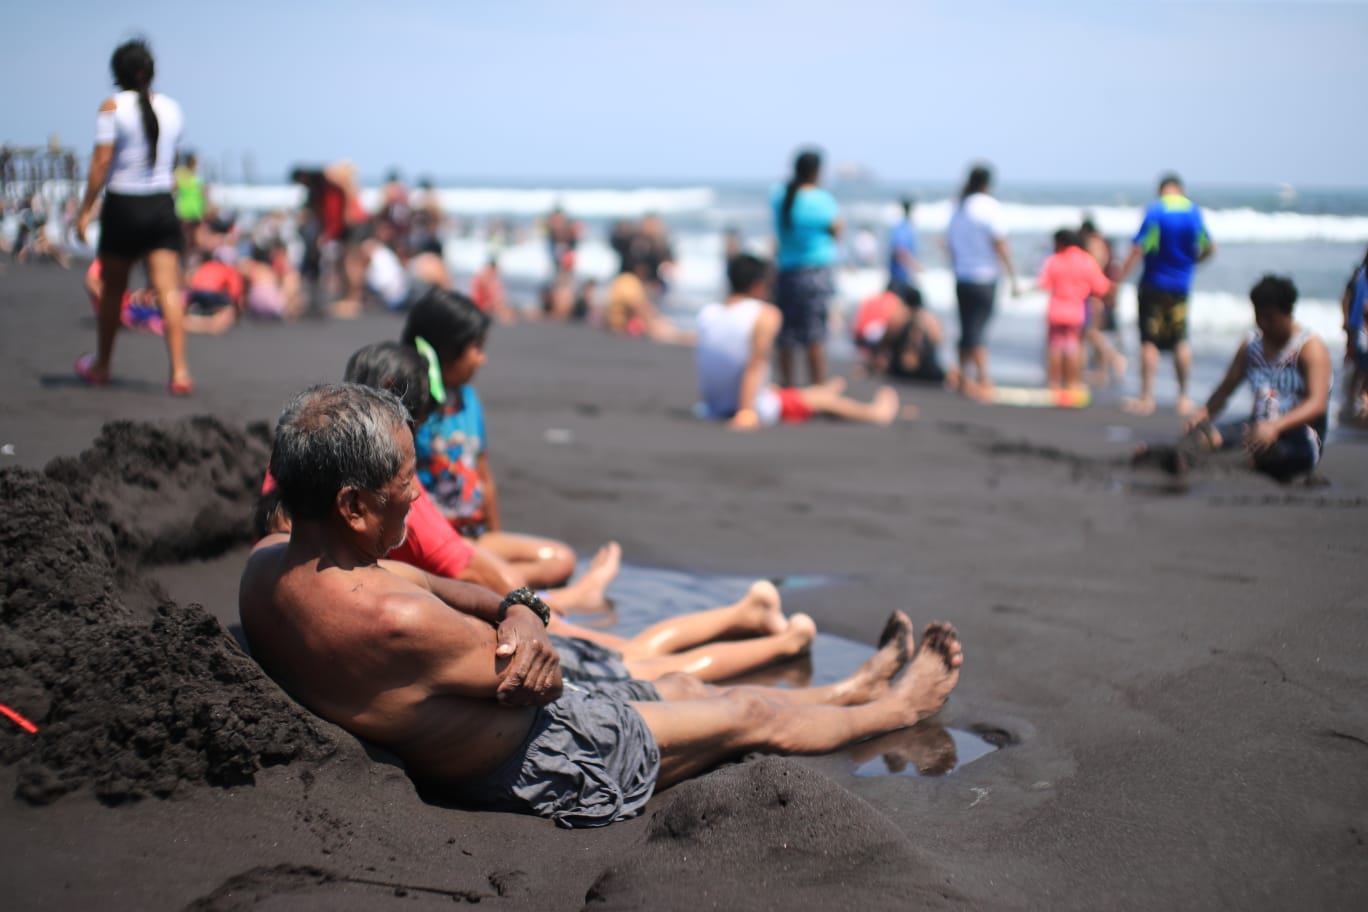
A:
(1235, 92)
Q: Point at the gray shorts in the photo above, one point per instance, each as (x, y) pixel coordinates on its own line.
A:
(802, 296)
(588, 760)
(600, 670)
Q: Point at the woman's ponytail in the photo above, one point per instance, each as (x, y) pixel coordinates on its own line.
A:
(806, 169)
(151, 126)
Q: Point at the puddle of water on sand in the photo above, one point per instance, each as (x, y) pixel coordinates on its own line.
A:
(640, 596)
(645, 595)
(923, 750)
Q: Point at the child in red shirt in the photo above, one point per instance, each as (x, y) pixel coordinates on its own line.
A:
(1070, 275)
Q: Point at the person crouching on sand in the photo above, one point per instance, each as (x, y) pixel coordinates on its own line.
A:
(466, 687)
(1287, 368)
(735, 344)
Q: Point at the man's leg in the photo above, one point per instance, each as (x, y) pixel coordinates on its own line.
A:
(1182, 368)
(1149, 363)
(868, 682)
(695, 735)
(827, 399)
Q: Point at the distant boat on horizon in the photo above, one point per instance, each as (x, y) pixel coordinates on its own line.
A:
(851, 172)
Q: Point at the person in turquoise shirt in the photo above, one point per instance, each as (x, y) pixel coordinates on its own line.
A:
(807, 222)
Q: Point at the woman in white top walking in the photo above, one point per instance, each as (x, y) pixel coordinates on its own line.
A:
(136, 133)
(977, 242)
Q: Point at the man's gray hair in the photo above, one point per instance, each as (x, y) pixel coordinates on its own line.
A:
(335, 436)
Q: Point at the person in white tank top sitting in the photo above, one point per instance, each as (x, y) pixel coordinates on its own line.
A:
(735, 345)
(1287, 368)
(136, 133)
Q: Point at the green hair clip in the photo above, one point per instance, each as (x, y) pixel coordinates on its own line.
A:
(435, 384)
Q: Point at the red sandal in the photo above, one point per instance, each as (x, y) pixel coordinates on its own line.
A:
(85, 370)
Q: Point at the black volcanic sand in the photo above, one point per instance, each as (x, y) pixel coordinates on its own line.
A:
(1179, 671)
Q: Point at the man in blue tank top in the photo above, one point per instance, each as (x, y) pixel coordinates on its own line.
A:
(1172, 240)
(1287, 368)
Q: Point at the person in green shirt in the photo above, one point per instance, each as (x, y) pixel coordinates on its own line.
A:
(192, 202)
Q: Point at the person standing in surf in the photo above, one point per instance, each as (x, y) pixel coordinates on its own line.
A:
(977, 242)
(136, 133)
(1355, 307)
(807, 223)
(1172, 240)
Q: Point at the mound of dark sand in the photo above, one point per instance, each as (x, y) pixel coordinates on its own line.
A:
(769, 828)
(133, 694)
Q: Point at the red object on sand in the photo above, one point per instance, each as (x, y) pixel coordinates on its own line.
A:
(18, 720)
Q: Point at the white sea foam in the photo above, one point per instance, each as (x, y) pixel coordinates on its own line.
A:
(491, 201)
(1227, 226)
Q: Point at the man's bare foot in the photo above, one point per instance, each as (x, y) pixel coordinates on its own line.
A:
(927, 745)
(932, 673)
(1185, 407)
(760, 611)
(884, 406)
(872, 679)
(586, 594)
(1140, 406)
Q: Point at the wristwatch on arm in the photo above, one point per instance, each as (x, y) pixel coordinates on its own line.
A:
(528, 599)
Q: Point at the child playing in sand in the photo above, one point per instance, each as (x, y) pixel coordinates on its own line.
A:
(1071, 275)
(735, 345)
(1287, 368)
(453, 465)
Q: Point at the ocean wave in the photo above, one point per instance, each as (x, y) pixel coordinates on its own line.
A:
(498, 201)
(1227, 226)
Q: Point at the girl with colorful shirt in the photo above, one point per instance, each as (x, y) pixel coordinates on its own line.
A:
(452, 444)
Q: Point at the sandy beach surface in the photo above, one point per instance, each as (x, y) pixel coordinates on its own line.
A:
(1179, 673)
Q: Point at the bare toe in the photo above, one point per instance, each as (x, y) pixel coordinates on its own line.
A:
(764, 612)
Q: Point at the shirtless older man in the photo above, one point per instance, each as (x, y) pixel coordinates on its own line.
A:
(478, 710)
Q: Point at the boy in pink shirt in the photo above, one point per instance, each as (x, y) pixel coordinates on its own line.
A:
(1070, 275)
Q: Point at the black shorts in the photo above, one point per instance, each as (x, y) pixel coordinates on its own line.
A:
(200, 303)
(357, 233)
(1163, 318)
(133, 226)
(975, 308)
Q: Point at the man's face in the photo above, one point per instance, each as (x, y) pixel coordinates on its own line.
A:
(398, 494)
(1273, 323)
